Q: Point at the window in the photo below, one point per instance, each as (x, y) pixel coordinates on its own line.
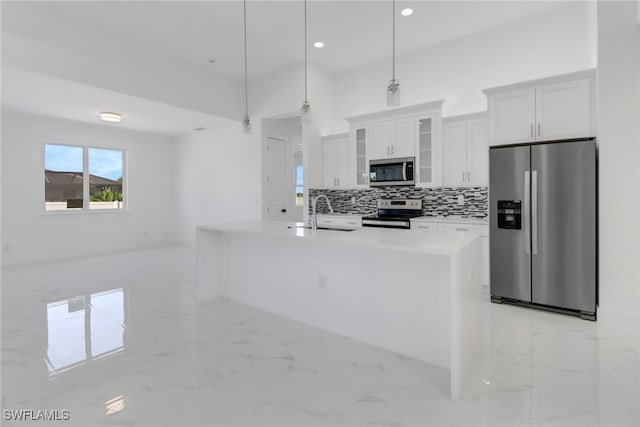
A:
(299, 186)
(65, 186)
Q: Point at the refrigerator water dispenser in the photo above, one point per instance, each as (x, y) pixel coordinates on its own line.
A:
(509, 214)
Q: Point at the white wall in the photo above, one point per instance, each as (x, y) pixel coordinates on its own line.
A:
(218, 178)
(552, 43)
(619, 153)
(30, 235)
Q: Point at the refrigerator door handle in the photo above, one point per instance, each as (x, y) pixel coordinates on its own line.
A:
(527, 230)
(534, 212)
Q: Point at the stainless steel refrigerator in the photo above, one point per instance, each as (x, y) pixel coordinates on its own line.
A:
(543, 229)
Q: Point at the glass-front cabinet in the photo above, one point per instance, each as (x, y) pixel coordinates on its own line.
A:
(362, 174)
(425, 155)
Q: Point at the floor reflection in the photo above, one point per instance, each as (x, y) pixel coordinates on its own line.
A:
(84, 329)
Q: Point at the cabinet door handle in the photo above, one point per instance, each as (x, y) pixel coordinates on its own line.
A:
(462, 176)
(531, 130)
(462, 229)
(338, 181)
(393, 149)
(539, 133)
(468, 176)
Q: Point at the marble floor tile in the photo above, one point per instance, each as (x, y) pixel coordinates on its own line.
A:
(120, 340)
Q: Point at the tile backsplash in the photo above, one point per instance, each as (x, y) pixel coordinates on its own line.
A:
(442, 201)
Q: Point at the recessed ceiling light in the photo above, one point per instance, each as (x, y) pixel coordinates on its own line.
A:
(406, 12)
(111, 117)
(318, 45)
(199, 128)
(212, 60)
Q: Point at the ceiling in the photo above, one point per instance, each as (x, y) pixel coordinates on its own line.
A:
(49, 96)
(355, 33)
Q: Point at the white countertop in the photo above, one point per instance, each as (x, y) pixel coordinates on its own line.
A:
(429, 242)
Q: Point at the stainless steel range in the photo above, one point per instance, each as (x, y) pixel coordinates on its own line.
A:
(394, 213)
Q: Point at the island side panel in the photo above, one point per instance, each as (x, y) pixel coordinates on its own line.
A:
(468, 320)
(212, 261)
(394, 299)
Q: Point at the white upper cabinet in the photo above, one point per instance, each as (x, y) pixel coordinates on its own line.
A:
(403, 132)
(360, 136)
(393, 138)
(428, 156)
(455, 152)
(478, 152)
(466, 151)
(563, 110)
(336, 161)
(381, 140)
(560, 107)
(512, 115)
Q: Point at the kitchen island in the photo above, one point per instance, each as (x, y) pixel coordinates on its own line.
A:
(411, 292)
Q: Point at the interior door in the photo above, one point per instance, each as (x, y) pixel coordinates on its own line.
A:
(276, 177)
(563, 193)
(510, 249)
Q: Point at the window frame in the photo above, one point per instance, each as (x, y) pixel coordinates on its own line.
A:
(85, 182)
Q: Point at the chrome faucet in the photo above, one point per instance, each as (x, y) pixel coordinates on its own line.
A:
(314, 217)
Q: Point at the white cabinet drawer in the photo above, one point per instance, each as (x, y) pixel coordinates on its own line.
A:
(339, 222)
(482, 230)
(424, 225)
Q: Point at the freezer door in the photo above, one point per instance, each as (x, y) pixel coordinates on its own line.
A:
(510, 259)
(563, 193)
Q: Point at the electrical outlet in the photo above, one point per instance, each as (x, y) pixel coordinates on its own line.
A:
(322, 281)
(460, 199)
(353, 200)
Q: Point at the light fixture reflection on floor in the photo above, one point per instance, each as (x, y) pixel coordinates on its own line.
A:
(393, 88)
(110, 117)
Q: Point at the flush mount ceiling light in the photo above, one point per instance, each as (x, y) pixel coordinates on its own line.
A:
(306, 117)
(406, 12)
(393, 88)
(111, 117)
(318, 45)
(247, 121)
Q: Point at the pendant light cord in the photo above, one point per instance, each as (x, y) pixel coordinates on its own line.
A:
(246, 85)
(305, 51)
(393, 69)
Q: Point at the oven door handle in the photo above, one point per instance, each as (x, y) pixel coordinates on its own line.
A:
(404, 171)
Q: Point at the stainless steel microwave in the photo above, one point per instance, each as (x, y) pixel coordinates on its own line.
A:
(397, 171)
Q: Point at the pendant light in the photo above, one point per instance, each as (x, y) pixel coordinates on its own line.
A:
(247, 121)
(393, 89)
(306, 108)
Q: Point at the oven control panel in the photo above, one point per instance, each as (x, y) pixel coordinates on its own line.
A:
(400, 204)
